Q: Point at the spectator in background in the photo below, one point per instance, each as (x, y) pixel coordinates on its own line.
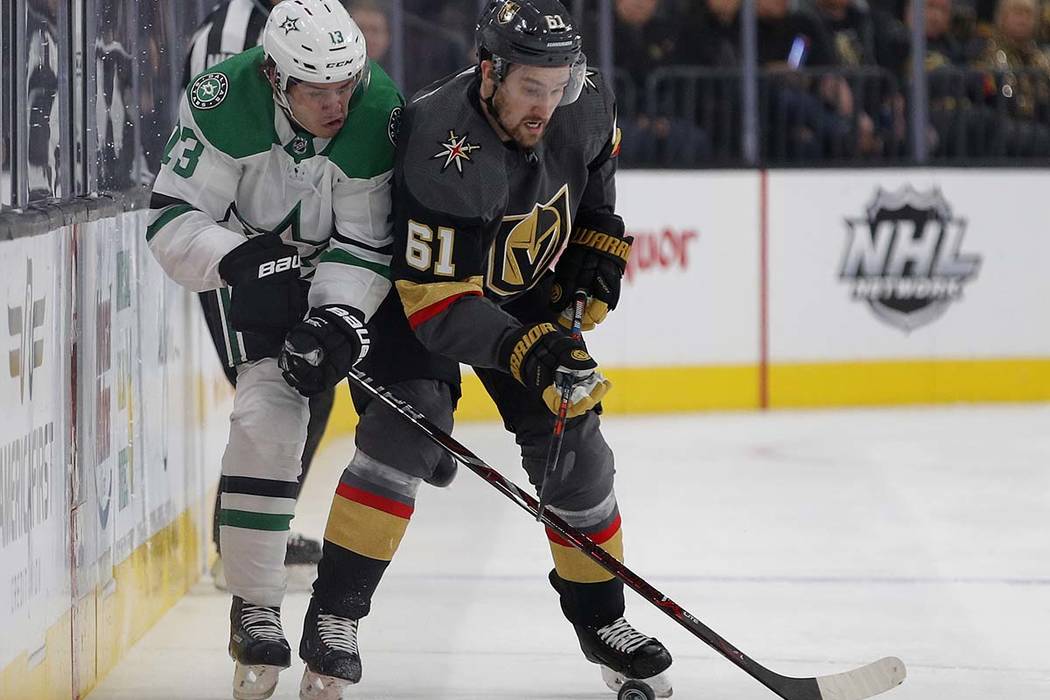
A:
(1019, 78)
(372, 19)
(645, 41)
(960, 124)
(713, 28)
(864, 35)
(808, 117)
(1012, 49)
(870, 38)
(438, 40)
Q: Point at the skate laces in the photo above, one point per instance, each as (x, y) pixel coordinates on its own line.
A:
(622, 637)
(262, 622)
(338, 632)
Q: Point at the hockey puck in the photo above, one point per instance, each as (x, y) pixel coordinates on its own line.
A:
(635, 690)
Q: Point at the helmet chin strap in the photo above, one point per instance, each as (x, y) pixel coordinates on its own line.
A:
(280, 98)
(490, 103)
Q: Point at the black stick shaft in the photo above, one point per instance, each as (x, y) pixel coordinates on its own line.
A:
(784, 686)
(579, 303)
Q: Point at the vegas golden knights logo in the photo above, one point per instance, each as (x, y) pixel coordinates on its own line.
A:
(508, 12)
(527, 243)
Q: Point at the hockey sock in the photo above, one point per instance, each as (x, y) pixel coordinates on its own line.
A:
(365, 527)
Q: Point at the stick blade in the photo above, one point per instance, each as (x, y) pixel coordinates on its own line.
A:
(864, 682)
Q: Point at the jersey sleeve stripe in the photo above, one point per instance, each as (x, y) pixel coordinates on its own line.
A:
(423, 302)
(344, 258)
(345, 240)
(166, 216)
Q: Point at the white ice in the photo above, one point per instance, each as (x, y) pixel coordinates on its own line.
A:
(814, 541)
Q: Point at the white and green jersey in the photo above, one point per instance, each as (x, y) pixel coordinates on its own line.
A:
(236, 167)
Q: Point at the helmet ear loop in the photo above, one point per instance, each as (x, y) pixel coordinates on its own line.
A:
(499, 69)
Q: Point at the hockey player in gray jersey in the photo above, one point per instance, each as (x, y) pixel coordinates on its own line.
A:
(499, 170)
(275, 190)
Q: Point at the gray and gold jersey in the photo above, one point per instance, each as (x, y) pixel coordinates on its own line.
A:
(479, 222)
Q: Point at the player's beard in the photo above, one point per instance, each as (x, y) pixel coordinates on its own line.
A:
(518, 132)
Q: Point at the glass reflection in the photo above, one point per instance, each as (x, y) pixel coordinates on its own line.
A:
(42, 60)
(6, 123)
(115, 99)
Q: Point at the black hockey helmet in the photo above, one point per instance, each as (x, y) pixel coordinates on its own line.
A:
(533, 33)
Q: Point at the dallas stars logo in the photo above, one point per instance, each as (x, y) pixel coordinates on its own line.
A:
(289, 25)
(455, 151)
(209, 91)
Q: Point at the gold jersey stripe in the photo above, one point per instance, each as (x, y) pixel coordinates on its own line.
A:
(416, 297)
(364, 530)
(574, 565)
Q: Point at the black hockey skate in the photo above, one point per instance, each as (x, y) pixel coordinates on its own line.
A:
(258, 646)
(329, 649)
(624, 653)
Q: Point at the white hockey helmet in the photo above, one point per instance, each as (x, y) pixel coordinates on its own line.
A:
(314, 41)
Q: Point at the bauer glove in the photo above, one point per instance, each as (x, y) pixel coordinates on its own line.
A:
(542, 358)
(319, 352)
(594, 261)
(265, 296)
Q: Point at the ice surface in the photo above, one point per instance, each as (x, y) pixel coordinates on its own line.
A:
(815, 541)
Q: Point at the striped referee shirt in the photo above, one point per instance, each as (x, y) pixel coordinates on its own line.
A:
(228, 30)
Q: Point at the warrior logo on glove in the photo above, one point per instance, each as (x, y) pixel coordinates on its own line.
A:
(594, 261)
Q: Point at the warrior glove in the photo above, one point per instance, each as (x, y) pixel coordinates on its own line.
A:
(266, 296)
(319, 352)
(594, 261)
(543, 358)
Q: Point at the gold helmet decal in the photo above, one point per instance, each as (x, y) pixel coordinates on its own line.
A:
(508, 12)
(527, 243)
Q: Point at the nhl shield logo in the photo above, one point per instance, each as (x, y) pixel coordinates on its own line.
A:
(209, 91)
(904, 257)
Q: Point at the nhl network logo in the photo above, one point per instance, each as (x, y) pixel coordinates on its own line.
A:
(23, 323)
(904, 257)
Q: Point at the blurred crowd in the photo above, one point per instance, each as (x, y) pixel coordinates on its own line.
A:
(835, 75)
(834, 82)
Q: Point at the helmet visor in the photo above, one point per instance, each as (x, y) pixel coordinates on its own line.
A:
(577, 79)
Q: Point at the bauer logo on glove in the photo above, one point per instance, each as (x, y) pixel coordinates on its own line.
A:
(319, 352)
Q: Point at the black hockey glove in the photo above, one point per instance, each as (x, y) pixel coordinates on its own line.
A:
(594, 261)
(538, 355)
(319, 352)
(265, 294)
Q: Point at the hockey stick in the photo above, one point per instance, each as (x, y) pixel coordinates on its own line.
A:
(863, 682)
(579, 302)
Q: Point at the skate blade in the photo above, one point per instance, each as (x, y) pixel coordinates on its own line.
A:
(314, 686)
(660, 684)
(255, 682)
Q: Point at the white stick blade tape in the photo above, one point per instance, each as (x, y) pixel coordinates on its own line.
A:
(878, 677)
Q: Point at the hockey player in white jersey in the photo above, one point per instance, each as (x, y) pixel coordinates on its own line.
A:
(275, 189)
